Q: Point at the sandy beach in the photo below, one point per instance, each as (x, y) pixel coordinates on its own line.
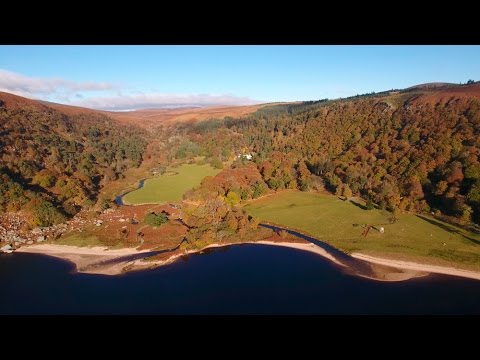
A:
(299, 246)
(306, 247)
(92, 260)
(418, 267)
(382, 272)
(84, 257)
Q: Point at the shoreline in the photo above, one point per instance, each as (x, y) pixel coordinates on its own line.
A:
(84, 257)
(383, 273)
(298, 246)
(89, 260)
(301, 246)
(407, 265)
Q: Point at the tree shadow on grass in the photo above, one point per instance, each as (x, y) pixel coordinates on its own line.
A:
(363, 207)
(450, 229)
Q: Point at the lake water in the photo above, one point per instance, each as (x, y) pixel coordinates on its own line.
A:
(244, 279)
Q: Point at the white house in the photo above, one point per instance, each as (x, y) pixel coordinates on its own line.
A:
(245, 156)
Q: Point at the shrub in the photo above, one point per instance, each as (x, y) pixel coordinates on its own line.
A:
(258, 190)
(369, 205)
(216, 163)
(44, 213)
(154, 219)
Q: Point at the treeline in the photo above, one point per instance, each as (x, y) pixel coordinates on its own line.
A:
(280, 109)
(418, 156)
(54, 163)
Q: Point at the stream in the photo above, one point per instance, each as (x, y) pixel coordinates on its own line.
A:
(119, 198)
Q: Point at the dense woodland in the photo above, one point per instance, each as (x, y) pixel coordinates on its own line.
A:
(53, 164)
(399, 152)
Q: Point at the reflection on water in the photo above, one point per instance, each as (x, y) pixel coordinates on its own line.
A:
(244, 279)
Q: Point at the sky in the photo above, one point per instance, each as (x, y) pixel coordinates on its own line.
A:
(133, 77)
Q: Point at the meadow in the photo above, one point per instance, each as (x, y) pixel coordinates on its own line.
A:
(341, 223)
(171, 185)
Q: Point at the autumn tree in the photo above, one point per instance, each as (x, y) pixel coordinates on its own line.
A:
(232, 198)
(304, 176)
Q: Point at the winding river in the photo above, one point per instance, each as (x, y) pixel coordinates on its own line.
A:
(119, 198)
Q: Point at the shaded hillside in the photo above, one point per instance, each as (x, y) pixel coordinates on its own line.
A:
(53, 163)
(415, 150)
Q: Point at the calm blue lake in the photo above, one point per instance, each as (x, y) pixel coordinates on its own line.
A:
(243, 279)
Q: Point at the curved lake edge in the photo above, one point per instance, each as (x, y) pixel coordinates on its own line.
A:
(231, 280)
(100, 261)
(104, 261)
(351, 260)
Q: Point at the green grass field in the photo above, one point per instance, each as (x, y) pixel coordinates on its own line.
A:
(170, 186)
(80, 240)
(328, 218)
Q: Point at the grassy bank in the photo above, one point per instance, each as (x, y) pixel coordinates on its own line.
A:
(79, 239)
(332, 220)
(170, 186)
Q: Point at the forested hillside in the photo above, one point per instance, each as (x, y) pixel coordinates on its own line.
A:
(414, 150)
(52, 163)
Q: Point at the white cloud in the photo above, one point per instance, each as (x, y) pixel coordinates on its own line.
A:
(37, 87)
(68, 92)
(155, 100)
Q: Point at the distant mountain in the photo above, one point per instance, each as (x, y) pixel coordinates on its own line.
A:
(145, 118)
(150, 118)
